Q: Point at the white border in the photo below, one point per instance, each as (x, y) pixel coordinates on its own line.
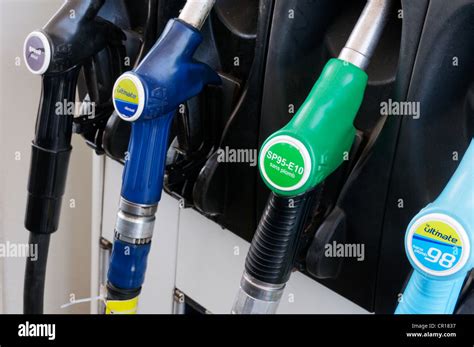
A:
(141, 96)
(301, 148)
(453, 224)
(47, 52)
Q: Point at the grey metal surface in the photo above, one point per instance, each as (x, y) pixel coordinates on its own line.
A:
(366, 34)
(257, 297)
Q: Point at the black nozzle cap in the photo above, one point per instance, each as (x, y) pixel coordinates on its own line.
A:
(48, 172)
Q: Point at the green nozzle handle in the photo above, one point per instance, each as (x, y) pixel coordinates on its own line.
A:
(314, 143)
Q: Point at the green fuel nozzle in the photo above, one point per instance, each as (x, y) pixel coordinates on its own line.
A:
(296, 158)
(314, 143)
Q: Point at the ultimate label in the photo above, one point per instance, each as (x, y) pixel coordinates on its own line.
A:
(438, 245)
(128, 97)
(285, 163)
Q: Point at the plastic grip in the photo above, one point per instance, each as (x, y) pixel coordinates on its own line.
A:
(424, 295)
(323, 124)
(169, 72)
(144, 168)
(73, 41)
(53, 129)
(46, 187)
(274, 246)
(128, 265)
(50, 154)
(169, 76)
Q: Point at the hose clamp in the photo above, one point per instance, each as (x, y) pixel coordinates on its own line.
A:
(135, 223)
(261, 290)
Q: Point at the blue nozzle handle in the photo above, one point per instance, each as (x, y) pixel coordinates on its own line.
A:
(424, 295)
(149, 97)
(439, 245)
(144, 169)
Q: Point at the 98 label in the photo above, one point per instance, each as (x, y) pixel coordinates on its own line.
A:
(438, 245)
(446, 260)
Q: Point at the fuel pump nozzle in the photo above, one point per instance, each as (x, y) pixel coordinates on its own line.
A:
(57, 52)
(297, 158)
(148, 97)
(439, 245)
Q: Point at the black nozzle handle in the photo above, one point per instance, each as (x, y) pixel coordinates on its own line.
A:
(72, 35)
(51, 150)
(274, 246)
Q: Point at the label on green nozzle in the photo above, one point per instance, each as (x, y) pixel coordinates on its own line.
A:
(285, 163)
(438, 244)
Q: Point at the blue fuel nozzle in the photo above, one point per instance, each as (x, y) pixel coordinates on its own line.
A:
(439, 245)
(148, 97)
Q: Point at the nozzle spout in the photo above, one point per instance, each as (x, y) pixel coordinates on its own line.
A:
(195, 12)
(366, 34)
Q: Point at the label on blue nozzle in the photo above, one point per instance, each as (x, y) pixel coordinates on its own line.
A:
(128, 97)
(438, 244)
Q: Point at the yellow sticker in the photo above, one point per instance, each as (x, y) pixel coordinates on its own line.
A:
(439, 231)
(122, 306)
(126, 96)
(126, 90)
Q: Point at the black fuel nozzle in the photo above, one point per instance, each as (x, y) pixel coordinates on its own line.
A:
(73, 34)
(57, 52)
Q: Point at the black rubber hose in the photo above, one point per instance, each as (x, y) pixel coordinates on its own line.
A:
(274, 246)
(35, 274)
